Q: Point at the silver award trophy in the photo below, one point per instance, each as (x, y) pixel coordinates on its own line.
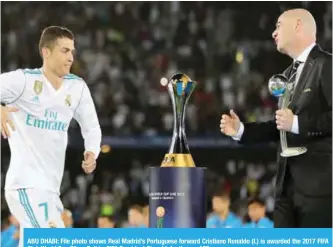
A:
(180, 88)
(280, 87)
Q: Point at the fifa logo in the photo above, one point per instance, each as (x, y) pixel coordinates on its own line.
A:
(160, 212)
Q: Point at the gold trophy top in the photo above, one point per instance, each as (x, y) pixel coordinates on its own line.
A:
(181, 87)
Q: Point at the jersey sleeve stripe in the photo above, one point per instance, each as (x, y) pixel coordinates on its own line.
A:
(32, 71)
(72, 77)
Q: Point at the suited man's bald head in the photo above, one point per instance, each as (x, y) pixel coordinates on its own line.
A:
(305, 19)
(295, 30)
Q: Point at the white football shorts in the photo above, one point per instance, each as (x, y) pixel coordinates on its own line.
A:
(35, 208)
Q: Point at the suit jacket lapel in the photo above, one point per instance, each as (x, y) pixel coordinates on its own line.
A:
(303, 79)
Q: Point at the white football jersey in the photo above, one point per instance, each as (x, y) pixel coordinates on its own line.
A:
(38, 145)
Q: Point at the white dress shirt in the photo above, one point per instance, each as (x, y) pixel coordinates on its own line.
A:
(295, 127)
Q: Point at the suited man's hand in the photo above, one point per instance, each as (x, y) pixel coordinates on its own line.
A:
(284, 119)
(229, 125)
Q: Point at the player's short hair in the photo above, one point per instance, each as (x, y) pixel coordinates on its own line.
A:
(256, 200)
(136, 207)
(51, 34)
(221, 194)
(110, 218)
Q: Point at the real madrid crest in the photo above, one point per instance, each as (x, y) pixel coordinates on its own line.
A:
(38, 87)
(68, 100)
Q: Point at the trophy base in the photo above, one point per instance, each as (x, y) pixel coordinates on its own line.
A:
(177, 197)
(290, 152)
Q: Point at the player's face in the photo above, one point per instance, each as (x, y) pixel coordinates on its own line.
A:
(220, 204)
(134, 217)
(255, 211)
(284, 34)
(146, 219)
(145, 216)
(62, 56)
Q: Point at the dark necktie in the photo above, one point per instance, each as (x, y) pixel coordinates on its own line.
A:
(292, 77)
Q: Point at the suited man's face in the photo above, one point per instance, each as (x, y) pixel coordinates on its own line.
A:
(284, 35)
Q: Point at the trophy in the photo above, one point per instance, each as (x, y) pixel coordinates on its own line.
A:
(180, 88)
(177, 190)
(280, 87)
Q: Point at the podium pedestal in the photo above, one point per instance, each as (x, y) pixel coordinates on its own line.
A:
(177, 197)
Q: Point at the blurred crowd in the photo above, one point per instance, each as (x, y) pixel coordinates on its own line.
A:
(124, 48)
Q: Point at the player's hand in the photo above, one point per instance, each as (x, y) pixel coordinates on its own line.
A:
(5, 120)
(284, 119)
(230, 124)
(89, 162)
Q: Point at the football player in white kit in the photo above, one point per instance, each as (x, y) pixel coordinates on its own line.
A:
(39, 105)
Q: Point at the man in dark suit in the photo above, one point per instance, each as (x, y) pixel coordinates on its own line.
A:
(304, 183)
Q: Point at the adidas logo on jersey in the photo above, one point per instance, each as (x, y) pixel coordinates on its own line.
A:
(35, 99)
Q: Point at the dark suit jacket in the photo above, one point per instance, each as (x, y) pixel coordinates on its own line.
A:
(312, 103)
